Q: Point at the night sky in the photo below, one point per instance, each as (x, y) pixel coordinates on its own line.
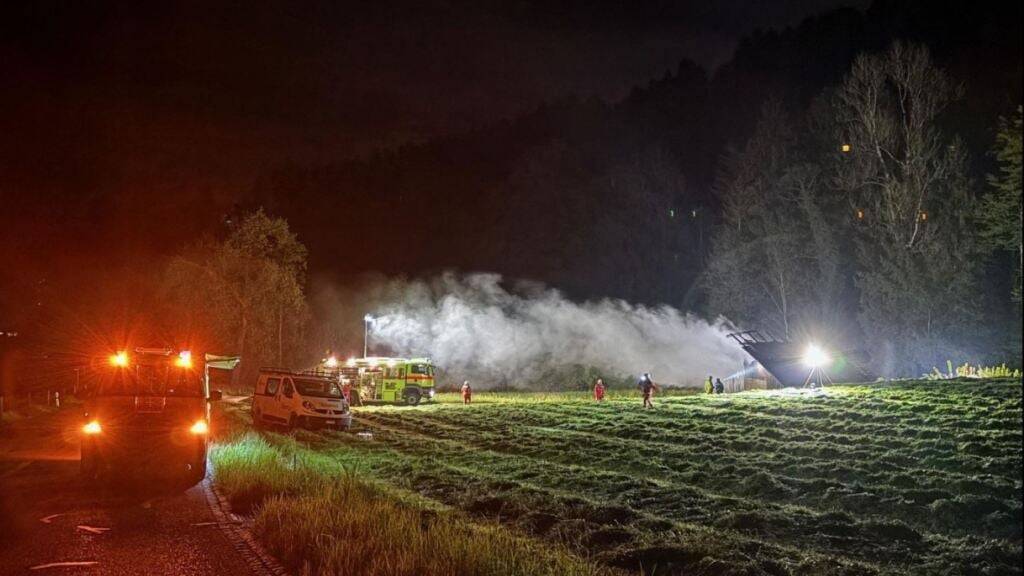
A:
(327, 79)
(131, 130)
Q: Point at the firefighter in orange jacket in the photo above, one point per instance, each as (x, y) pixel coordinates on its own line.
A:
(467, 392)
(599, 390)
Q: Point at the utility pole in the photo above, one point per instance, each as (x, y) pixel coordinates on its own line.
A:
(366, 333)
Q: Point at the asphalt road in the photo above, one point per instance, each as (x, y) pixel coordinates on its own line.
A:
(48, 517)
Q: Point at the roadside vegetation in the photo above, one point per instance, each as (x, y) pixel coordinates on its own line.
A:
(913, 477)
(318, 517)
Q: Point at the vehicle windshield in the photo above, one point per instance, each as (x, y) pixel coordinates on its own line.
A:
(317, 387)
(151, 380)
(424, 369)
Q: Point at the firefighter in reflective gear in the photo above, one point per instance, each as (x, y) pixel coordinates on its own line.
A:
(647, 388)
(709, 386)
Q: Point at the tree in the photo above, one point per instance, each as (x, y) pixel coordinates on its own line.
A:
(248, 289)
(774, 262)
(999, 213)
(908, 180)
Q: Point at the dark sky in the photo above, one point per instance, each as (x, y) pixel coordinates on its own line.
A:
(218, 88)
(116, 120)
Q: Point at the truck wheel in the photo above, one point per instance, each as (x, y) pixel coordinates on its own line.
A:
(89, 466)
(412, 397)
(197, 473)
(292, 421)
(257, 419)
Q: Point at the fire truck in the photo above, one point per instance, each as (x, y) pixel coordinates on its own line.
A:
(148, 410)
(406, 381)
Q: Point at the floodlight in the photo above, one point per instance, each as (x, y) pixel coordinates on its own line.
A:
(815, 357)
(184, 359)
(331, 362)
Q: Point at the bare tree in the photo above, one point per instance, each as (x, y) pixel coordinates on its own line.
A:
(909, 182)
(773, 262)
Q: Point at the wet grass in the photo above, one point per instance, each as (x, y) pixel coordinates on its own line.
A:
(902, 478)
(318, 517)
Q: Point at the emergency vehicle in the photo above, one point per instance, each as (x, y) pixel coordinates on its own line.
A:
(149, 409)
(399, 380)
(308, 399)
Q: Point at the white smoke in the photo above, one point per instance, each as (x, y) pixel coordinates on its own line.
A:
(472, 326)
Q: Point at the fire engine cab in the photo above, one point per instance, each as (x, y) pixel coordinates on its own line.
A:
(149, 409)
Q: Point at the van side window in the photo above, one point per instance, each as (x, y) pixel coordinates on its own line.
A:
(272, 384)
(288, 388)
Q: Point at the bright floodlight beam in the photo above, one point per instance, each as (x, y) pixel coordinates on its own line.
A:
(331, 362)
(815, 357)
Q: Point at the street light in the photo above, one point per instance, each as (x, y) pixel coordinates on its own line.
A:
(366, 332)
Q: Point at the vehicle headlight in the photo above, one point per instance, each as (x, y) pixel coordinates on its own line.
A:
(93, 427)
(307, 405)
(200, 427)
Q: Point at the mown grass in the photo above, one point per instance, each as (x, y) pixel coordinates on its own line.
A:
(903, 478)
(319, 518)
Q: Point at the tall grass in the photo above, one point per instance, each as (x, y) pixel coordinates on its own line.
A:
(318, 518)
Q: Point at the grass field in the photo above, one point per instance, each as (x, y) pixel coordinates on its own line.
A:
(902, 478)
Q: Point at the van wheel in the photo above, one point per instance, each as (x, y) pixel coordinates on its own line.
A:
(257, 419)
(412, 397)
(291, 422)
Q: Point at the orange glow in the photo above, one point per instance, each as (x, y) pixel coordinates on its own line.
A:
(924, 216)
(860, 214)
(92, 427)
(846, 148)
(200, 427)
(184, 359)
(119, 359)
(331, 362)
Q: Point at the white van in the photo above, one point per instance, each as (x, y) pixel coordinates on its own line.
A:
(306, 399)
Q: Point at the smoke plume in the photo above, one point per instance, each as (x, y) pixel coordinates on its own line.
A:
(472, 326)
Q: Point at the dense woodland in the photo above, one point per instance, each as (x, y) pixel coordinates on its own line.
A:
(723, 192)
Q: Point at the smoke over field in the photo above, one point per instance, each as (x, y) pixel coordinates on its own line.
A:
(472, 326)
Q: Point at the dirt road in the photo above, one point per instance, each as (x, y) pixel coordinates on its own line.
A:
(51, 524)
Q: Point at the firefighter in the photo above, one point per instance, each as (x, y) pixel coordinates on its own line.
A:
(647, 388)
(599, 390)
(346, 390)
(709, 386)
(467, 392)
(719, 387)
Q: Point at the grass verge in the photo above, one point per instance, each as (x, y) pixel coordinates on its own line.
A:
(318, 518)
